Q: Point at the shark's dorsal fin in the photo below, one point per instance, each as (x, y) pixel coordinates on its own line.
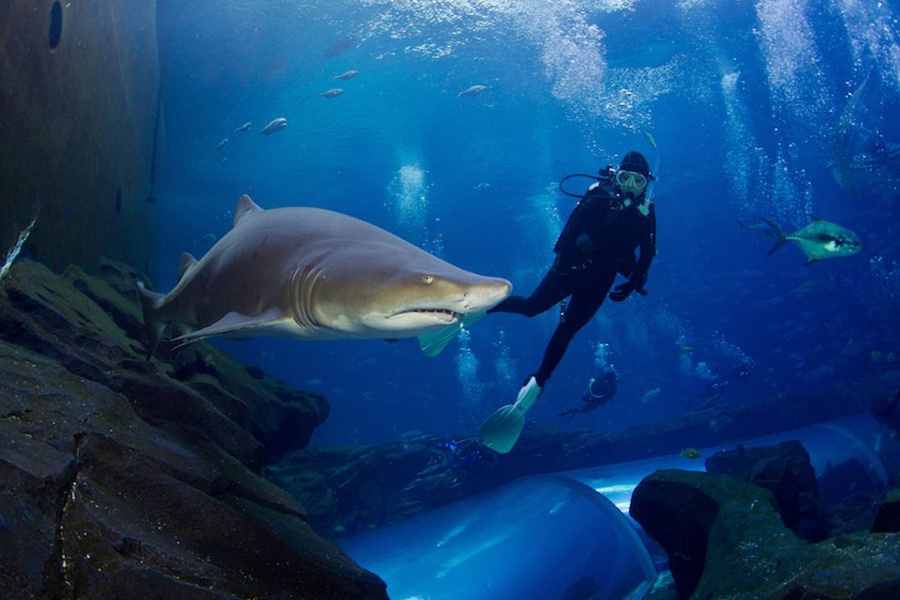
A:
(187, 261)
(245, 207)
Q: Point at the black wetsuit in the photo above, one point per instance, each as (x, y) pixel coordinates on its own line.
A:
(600, 390)
(586, 269)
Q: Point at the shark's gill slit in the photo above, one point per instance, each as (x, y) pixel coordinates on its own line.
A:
(302, 286)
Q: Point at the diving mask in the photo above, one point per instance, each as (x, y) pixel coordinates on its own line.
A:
(631, 180)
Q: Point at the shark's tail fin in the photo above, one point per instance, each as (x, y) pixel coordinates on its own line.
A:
(153, 324)
(780, 236)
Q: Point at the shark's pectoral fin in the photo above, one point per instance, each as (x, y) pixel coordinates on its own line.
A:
(235, 324)
(432, 343)
(155, 326)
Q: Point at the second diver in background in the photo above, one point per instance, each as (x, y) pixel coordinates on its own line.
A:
(600, 390)
(615, 217)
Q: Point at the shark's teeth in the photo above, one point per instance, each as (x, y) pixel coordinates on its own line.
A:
(436, 311)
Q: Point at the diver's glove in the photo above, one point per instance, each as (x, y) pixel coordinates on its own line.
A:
(635, 281)
(620, 292)
(639, 279)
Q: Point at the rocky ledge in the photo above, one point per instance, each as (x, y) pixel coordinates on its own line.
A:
(128, 478)
(727, 538)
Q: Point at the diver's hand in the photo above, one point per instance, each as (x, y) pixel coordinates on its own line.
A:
(635, 281)
(639, 279)
(620, 292)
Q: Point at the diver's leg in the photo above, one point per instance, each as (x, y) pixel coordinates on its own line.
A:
(501, 430)
(551, 290)
(583, 305)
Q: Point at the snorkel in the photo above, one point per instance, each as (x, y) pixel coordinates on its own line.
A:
(651, 183)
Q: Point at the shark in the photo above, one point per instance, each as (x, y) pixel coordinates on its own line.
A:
(863, 161)
(314, 274)
(819, 240)
(760, 231)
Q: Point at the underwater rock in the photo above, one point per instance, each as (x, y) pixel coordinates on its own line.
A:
(419, 474)
(125, 478)
(785, 470)
(725, 538)
(886, 408)
(347, 489)
(680, 518)
(887, 519)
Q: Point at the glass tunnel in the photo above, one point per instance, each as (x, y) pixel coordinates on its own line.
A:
(568, 534)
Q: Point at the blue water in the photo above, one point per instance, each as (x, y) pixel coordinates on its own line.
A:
(749, 103)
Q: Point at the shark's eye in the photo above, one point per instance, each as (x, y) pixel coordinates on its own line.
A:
(427, 279)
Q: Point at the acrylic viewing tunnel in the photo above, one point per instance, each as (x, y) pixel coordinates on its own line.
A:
(567, 535)
(538, 537)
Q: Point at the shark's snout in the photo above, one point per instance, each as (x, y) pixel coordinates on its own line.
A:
(485, 296)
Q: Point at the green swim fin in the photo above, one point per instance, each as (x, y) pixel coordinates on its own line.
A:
(432, 343)
(501, 430)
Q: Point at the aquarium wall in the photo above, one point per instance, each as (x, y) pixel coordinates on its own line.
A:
(79, 83)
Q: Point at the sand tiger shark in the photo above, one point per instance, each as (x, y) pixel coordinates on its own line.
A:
(314, 274)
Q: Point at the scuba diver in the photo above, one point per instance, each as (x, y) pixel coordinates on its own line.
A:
(600, 390)
(613, 218)
(714, 392)
(468, 455)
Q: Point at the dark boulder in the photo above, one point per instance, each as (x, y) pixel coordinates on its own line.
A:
(887, 518)
(121, 479)
(785, 470)
(730, 541)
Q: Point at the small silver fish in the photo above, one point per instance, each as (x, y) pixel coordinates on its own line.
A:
(221, 145)
(473, 90)
(243, 127)
(275, 125)
(650, 395)
(207, 240)
(332, 93)
(346, 75)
